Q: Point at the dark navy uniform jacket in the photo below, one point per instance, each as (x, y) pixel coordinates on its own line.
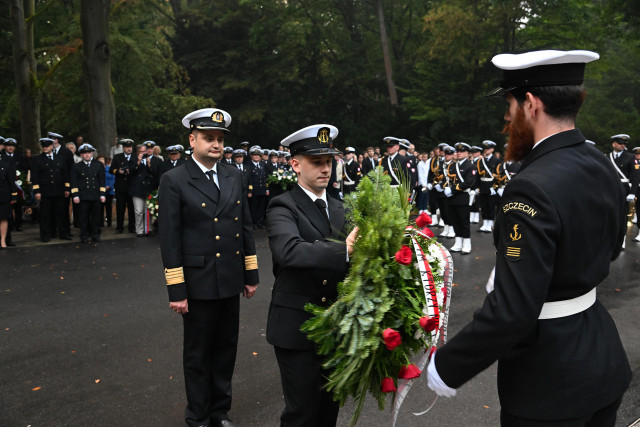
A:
(560, 223)
(626, 163)
(257, 178)
(399, 166)
(486, 168)
(307, 265)
(49, 177)
(8, 189)
(120, 162)
(87, 182)
(462, 177)
(206, 239)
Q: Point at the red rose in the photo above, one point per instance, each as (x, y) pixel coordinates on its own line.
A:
(427, 232)
(388, 385)
(150, 197)
(404, 255)
(428, 323)
(423, 220)
(392, 338)
(409, 372)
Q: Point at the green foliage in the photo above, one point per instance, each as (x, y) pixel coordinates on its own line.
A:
(378, 293)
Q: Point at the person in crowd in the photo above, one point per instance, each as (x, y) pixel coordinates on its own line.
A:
(351, 172)
(143, 179)
(116, 148)
(109, 184)
(51, 186)
(88, 192)
(209, 256)
(461, 179)
(121, 168)
(8, 196)
(394, 164)
(310, 248)
(157, 152)
(560, 358)
(73, 149)
(258, 190)
(624, 164)
(228, 155)
(175, 158)
(19, 163)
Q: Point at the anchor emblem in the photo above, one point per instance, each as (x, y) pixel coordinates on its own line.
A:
(515, 235)
(323, 135)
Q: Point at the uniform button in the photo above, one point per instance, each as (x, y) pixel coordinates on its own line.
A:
(217, 255)
(237, 252)
(324, 282)
(215, 219)
(204, 205)
(323, 299)
(235, 219)
(237, 235)
(238, 202)
(217, 237)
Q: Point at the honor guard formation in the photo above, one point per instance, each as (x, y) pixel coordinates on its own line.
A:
(206, 201)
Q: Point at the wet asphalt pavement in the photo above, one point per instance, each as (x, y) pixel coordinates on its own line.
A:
(87, 339)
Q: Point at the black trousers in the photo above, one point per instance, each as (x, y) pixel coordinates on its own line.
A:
(605, 417)
(209, 356)
(488, 206)
(90, 218)
(108, 208)
(443, 204)
(460, 220)
(125, 202)
(52, 217)
(307, 404)
(257, 206)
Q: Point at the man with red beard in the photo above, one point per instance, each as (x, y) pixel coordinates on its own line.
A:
(560, 358)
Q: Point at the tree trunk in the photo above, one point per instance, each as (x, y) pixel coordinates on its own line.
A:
(24, 65)
(96, 66)
(393, 96)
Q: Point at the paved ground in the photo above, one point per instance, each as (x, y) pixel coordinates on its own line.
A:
(86, 338)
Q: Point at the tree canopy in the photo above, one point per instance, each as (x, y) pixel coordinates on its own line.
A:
(279, 65)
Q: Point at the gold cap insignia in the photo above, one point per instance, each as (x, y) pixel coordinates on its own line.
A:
(217, 117)
(323, 135)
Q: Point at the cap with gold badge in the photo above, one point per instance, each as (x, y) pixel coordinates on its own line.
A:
(207, 119)
(314, 140)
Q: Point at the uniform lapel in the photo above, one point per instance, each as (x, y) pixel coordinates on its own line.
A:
(310, 210)
(200, 181)
(336, 216)
(226, 186)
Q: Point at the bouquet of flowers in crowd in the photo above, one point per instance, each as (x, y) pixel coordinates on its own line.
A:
(285, 178)
(23, 184)
(392, 305)
(152, 203)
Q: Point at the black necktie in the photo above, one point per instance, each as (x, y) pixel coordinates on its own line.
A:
(323, 208)
(216, 190)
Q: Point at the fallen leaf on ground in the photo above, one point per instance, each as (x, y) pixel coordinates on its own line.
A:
(617, 290)
(106, 315)
(61, 278)
(62, 292)
(142, 265)
(254, 353)
(486, 406)
(36, 388)
(97, 381)
(148, 360)
(73, 351)
(454, 284)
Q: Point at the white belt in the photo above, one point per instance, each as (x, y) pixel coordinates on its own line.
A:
(625, 180)
(569, 307)
(349, 183)
(486, 179)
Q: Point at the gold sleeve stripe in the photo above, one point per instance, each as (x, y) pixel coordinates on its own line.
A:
(36, 187)
(251, 187)
(66, 184)
(174, 276)
(251, 262)
(102, 189)
(14, 194)
(74, 190)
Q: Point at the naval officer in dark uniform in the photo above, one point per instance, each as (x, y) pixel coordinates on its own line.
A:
(462, 177)
(122, 166)
(210, 259)
(393, 163)
(560, 358)
(88, 192)
(50, 186)
(304, 227)
(624, 164)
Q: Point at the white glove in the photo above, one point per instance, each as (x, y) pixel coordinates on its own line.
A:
(429, 186)
(424, 188)
(490, 282)
(500, 191)
(492, 191)
(447, 192)
(438, 188)
(631, 198)
(435, 383)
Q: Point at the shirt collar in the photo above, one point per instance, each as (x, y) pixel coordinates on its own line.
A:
(203, 168)
(313, 196)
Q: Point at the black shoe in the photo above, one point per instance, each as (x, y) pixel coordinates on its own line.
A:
(10, 244)
(84, 240)
(96, 239)
(66, 238)
(118, 231)
(45, 239)
(140, 235)
(18, 228)
(132, 231)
